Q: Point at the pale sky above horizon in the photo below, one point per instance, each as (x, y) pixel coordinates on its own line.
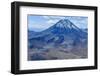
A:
(40, 22)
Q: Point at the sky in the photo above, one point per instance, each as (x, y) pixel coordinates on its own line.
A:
(39, 23)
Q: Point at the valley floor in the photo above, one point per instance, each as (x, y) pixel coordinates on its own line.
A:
(53, 54)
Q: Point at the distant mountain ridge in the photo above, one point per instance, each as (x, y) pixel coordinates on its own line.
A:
(61, 33)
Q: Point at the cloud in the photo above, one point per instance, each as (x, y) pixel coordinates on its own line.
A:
(81, 22)
(52, 21)
(46, 17)
(54, 17)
